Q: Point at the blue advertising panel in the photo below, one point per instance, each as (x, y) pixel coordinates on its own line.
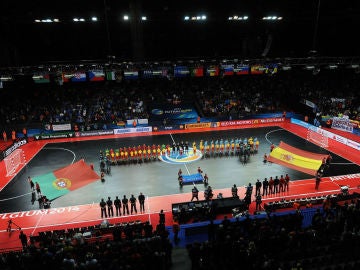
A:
(169, 111)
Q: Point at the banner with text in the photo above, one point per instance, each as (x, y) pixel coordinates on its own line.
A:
(169, 111)
(132, 130)
(342, 123)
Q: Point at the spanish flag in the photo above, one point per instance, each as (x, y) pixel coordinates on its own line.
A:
(296, 159)
(64, 180)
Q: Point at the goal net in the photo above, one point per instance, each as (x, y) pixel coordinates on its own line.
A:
(13, 161)
(317, 138)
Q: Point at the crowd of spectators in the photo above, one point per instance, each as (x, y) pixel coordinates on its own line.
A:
(333, 93)
(271, 242)
(133, 245)
(280, 242)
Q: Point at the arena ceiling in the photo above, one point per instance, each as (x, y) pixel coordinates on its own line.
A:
(167, 35)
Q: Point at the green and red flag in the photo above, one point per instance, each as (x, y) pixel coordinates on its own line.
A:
(64, 180)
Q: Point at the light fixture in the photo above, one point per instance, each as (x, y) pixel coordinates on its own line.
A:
(126, 17)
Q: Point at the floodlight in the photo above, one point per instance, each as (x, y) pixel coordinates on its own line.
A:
(186, 18)
(126, 17)
(94, 19)
(143, 18)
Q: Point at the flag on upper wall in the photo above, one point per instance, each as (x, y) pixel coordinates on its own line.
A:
(96, 75)
(66, 76)
(181, 71)
(212, 71)
(197, 71)
(41, 77)
(242, 70)
(79, 76)
(131, 74)
(227, 70)
(110, 75)
(257, 69)
(271, 68)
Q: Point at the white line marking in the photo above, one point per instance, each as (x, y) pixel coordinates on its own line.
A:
(60, 148)
(15, 197)
(172, 138)
(37, 223)
(266, 135)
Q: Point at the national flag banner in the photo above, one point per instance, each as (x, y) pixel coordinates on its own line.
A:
(297, 159)
(131, 74)
(62, 181)
(96, 75)
(197, 71)
(110, 75)
(271, 68)
(227, 69)
(67, 75)
(41, 77)
(257, 69)
(181, 71)
(242, 69)
(79, 76)
(212, 71)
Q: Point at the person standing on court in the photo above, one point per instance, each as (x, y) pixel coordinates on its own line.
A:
(287, 181)
(258, 186)
(258, 202)
(117, 204)
(194, 193)
(23, 239)
(276, 184)
(32, 186)
(37, 187)
(272, 146)
(265, 185)
(110, 207)
(234, 192)
(161, 217)
(103, 208)
(132, 204)
(125, 205)
(141, 199)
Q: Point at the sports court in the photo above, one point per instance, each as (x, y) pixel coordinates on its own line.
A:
(156, 179)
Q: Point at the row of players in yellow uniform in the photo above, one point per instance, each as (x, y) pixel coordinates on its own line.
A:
(147, 152)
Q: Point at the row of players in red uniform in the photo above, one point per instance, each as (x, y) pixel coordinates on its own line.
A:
(145, 151)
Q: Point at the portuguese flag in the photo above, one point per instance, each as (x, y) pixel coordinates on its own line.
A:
(296, 159)
(64, 180)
